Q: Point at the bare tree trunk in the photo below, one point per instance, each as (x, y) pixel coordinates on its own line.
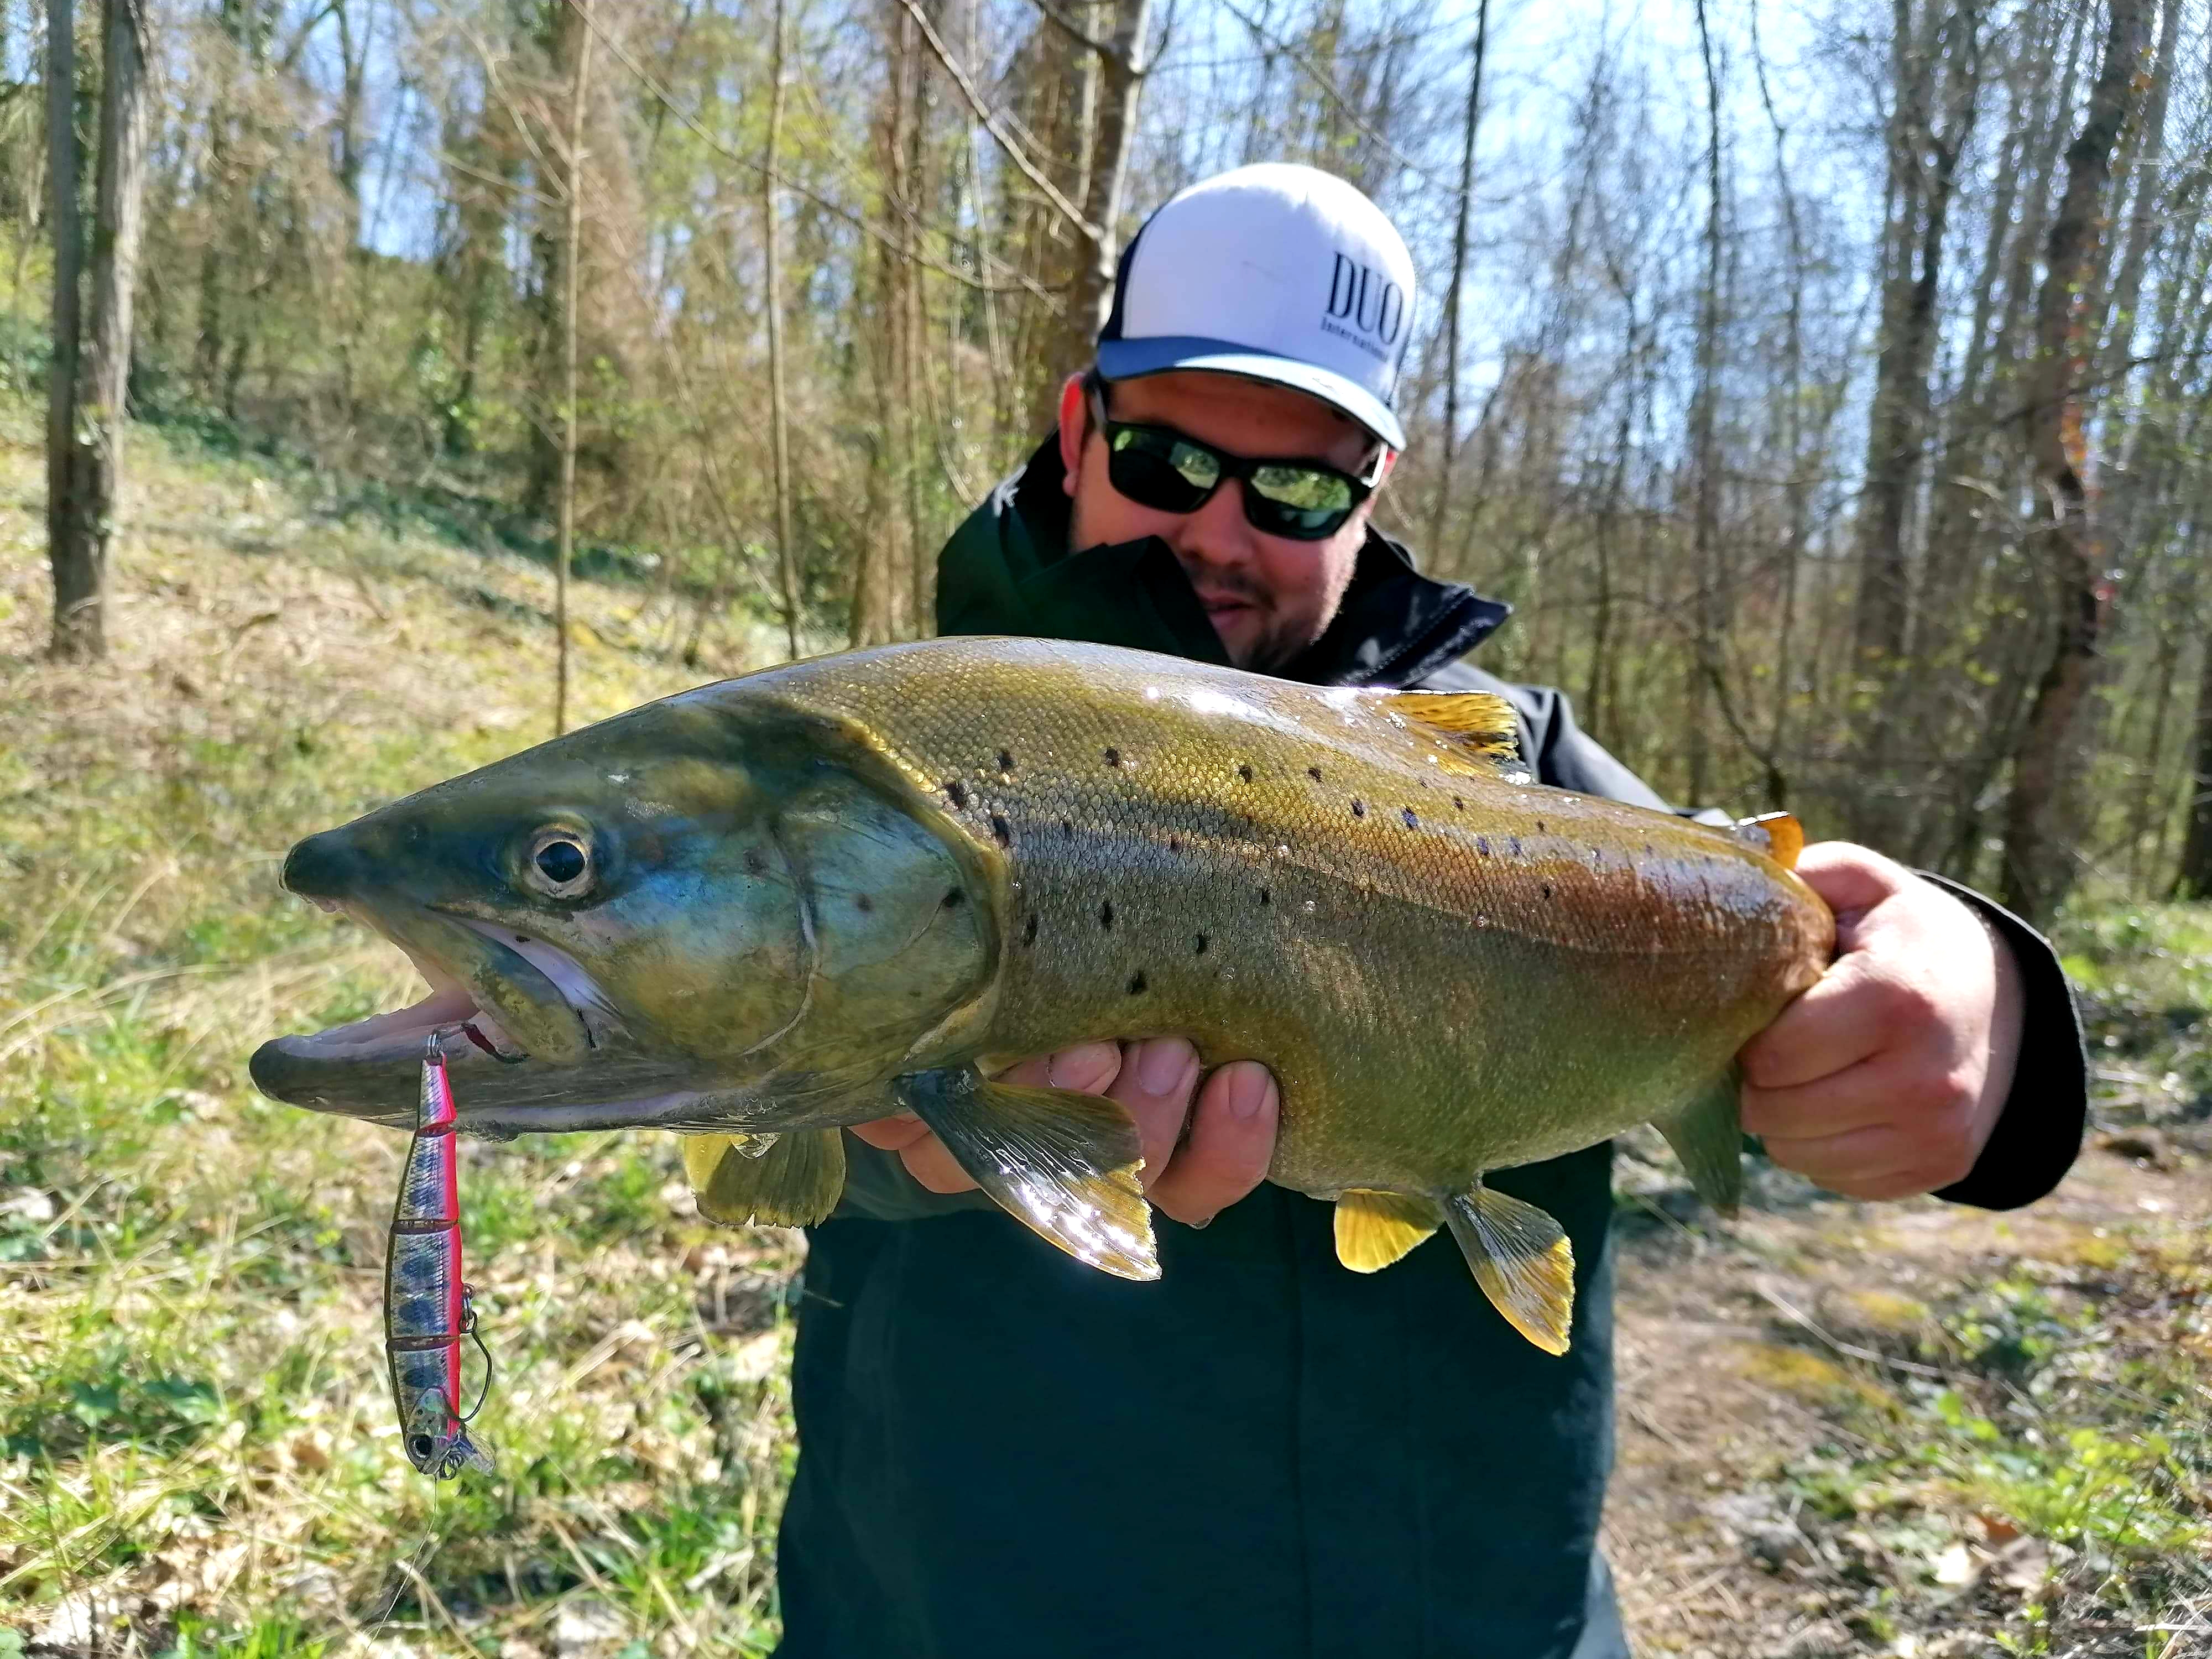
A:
(76, 574)
(80, 559)
(2037, 862)
(571, 262)
(1705, 516)
(1448, 446)
(1110, 122)
(1922, 212)
(2195, 879)
(787, 561)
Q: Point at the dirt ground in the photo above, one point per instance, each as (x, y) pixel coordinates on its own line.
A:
(1744, 1347)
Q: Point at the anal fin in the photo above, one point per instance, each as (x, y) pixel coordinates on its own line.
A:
(1707, 1135)
(1063, 1163)
(1522, 1260)
(1374, 1229)
(794, 1180)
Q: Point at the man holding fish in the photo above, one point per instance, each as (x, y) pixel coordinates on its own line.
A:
(906, 892)
(1005, 1454)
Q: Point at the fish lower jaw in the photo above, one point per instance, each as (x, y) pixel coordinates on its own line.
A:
(404, 1032)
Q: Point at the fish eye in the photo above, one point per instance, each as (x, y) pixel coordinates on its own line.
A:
(560, 864)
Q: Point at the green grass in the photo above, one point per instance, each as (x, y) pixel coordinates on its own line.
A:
(197, 1451)
(2067, 1417)
(197, 1448)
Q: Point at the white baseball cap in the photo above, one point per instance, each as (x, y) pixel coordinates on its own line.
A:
(1276, 272)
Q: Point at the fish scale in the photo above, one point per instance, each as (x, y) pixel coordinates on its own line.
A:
(1359, 953)
(862, 884)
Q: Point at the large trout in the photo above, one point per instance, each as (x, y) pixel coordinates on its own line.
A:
(832, 890)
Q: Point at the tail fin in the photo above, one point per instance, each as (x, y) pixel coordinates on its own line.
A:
(1777, 834)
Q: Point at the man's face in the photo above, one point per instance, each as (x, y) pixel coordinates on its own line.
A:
(1268, 597)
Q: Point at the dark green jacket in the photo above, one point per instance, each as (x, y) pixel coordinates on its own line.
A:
(1006, 1453)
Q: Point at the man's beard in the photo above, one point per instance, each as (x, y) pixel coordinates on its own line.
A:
(1278, 642)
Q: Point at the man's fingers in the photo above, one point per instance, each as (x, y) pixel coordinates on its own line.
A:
(1845, 1017)
(1850, 879)
(892, 1134)
(1874, 1163)
(1857, 1097)
(928, 1162)
(1232, 1137)
(1156, 1079)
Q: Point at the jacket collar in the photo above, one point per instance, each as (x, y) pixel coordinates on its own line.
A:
(1396, 627)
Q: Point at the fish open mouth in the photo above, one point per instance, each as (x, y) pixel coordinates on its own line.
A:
(514, 998)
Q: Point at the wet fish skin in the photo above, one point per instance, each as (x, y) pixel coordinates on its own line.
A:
(828, 883)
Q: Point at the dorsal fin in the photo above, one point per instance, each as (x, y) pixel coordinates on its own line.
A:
(1777, 834)
(1478, 727)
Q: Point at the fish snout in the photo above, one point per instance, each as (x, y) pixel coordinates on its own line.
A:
(326, 866)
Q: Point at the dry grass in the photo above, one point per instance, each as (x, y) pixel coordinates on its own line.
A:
(196, 1450)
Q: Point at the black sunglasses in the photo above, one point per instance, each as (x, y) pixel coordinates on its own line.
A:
(1159, 467)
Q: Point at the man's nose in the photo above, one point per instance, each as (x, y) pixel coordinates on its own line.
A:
(1217, 533)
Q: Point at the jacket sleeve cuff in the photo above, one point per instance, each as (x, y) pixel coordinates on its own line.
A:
(2038, 1131)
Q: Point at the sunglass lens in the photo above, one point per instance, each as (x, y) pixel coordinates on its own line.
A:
(1157, 470)
(1300, 502)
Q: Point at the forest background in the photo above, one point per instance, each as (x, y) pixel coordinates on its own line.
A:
(1825, 386)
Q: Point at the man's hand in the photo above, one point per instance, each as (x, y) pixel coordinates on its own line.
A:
(1193, 1177)
(1885, 1078)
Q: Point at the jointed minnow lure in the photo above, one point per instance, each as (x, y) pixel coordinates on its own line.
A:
(427, 1310)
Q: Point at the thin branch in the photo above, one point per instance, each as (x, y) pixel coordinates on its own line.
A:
(874, 232)
(1014, 152)
(1073, 30)
(1329, 90)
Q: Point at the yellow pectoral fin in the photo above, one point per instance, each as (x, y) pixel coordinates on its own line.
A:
(794, 1182)
(1374, 1229)
(1064, 1165)
(1521, 1259)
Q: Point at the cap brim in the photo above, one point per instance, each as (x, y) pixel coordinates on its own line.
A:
(1131, 360)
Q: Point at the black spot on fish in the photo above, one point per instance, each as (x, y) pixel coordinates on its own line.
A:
(1459, 804)
(1175, 844)
(1359, 808)
(1245, 773)
(999, 827)
(1066, 826)
(952, 899)
(1412, 823)
(1005, 760)
(755, 864)
(1514, 843)
(957, 791)
(1137, 983)
(1548, 889)
(1029, 933)
(1265, 896)
(1106, 913)
(1112, 757)
(1198, 949)
(1647, 849)
(863, 903)
(1482, 845)
(1314, 772)
(1540, 826)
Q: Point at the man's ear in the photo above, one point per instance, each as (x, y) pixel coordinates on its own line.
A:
(1074, 425)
